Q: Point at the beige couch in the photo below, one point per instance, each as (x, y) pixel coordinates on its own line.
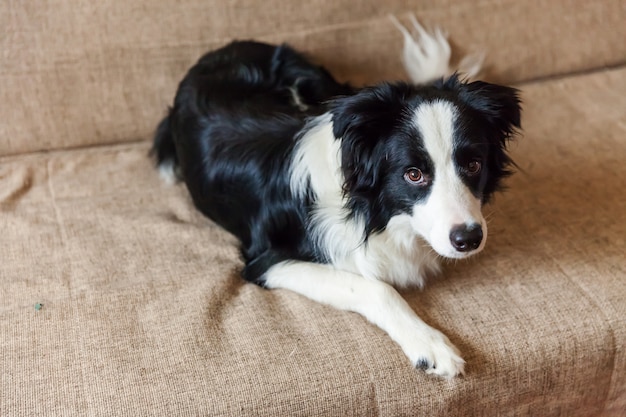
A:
(118, 299)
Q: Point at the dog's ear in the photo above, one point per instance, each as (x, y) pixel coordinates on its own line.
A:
(362, 123)
(499, 109)
(499, 105)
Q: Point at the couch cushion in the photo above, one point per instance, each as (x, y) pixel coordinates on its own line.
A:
(142, 311)
(86, 73)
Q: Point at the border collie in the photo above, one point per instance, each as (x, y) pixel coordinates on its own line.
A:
(340, 193)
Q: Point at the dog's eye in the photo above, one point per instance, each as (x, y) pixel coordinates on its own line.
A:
(414, 176)
(474, 167)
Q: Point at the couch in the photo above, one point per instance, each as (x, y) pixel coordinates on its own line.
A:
(118, 299)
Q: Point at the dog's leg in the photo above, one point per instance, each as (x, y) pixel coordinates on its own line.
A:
(378, 302)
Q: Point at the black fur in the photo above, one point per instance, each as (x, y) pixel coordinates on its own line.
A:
(235, 123)
(497, 108)
(378, 136)
(231, 132)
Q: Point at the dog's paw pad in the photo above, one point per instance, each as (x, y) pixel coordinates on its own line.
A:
(447, 368)
(422, 364)
(435, 354)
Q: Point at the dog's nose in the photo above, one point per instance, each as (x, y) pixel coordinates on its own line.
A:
(466, 238)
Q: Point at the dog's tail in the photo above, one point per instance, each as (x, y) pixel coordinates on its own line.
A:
(427, 53)
(164, 151)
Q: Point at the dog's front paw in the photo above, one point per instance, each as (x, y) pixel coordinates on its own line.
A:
(437, 355)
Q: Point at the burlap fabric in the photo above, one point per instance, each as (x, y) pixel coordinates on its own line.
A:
(140, 310)
(92, 73)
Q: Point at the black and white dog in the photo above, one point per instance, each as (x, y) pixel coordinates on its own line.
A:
(340, 193)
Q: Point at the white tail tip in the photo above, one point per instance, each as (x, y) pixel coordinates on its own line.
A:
(426, 54)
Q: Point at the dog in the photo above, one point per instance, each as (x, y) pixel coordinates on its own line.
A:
(340, 193)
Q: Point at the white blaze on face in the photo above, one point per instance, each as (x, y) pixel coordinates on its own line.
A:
(450, 202)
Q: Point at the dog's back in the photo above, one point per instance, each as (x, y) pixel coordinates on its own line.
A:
(242, 81)
(235, 115)
(250, 79)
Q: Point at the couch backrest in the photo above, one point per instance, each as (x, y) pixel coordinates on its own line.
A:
(98, 72)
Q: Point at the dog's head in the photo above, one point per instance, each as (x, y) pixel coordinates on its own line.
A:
(432, 154)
